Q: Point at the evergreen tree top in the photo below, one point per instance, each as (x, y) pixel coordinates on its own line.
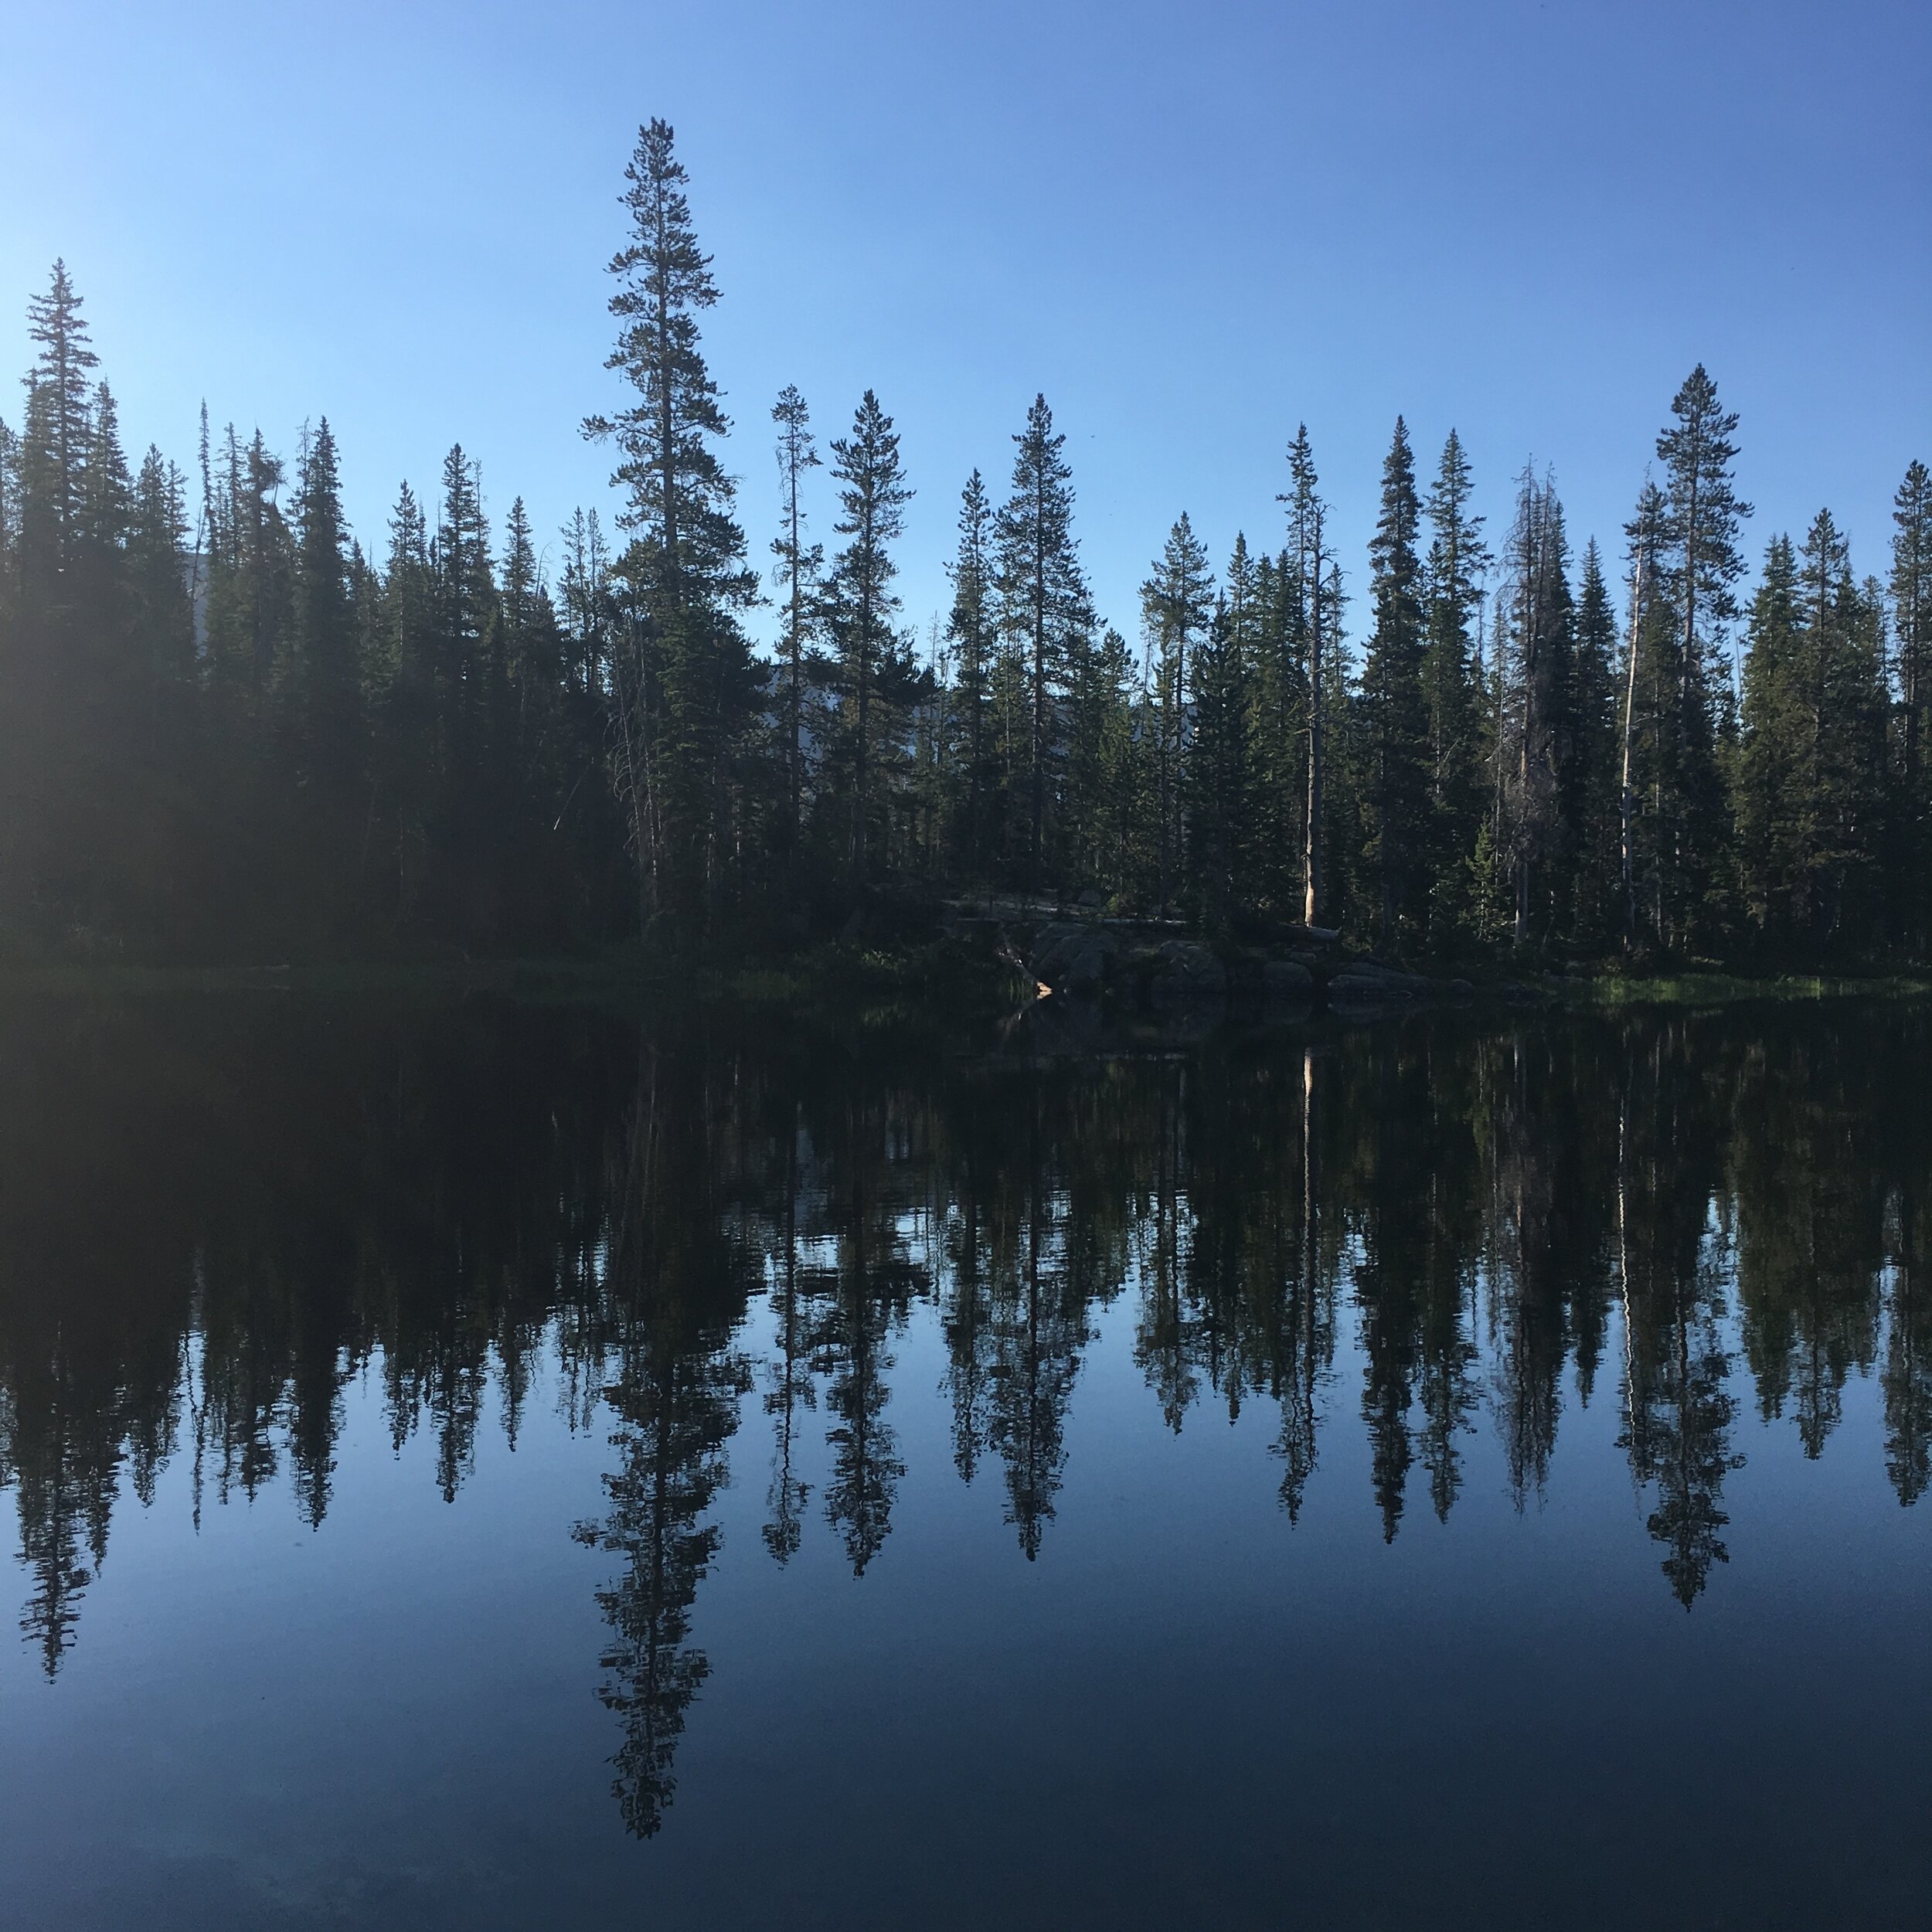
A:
(689, 547)
(1041, 581)
(54, 320)
(1392, 549)
(1702, 508)
(1177, 601)
(866, 463)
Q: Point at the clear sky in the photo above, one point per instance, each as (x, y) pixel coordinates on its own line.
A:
(1192, 226)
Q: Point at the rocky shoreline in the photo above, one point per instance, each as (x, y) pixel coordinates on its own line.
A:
(1125, 963)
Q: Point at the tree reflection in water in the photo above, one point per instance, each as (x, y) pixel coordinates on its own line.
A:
(216, 1215)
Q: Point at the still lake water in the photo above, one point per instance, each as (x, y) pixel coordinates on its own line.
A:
(485, 1465)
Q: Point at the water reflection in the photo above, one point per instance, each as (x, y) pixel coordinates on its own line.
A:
(215, 1217)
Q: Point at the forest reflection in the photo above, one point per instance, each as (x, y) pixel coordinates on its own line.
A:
(214, 1216)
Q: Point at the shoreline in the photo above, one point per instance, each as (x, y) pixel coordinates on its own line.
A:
(949, 981)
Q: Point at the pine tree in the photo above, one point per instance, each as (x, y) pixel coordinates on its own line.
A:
(1010, 711)
(155, 712)
(1644, 533)
(1840, 660)
(535, 757)
(1265, 602)
(402, 651)
(1702, 512)
(971, 630)
(104, 664)
(1395, 702)
(1589, 903)
(1216, 778)
(411, 749)
(680, 498)
(326, 673)
(1044, 605)
(584, 588)
(684, 677)
(1270, 676)
(586, 614)
(50, 688)
(1318, 583)
(99, 684)
(58, 433)
(796, 575)
(466, 591)
(1177, 607)
(930, 776)
(251, 577)
(1103, 807)
(106, 501)
(1911, 593)
(158, 541)
(1457, 561)
(248, 792)
(1812, 779)
(1772, 800)
(1343, 831)
(529, 644)
(1533, 650)
(1245, 613)
(9, 519)
(873, 496)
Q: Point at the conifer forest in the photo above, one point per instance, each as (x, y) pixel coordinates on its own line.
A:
(231, 726)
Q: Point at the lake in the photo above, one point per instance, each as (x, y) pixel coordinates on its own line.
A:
(479, 1463)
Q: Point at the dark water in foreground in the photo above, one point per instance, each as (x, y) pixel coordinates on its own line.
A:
(478, 1466)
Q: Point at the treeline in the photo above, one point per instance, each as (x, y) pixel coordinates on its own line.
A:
(224, 723)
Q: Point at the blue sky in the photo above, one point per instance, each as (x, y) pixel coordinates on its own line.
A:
(1192, 227)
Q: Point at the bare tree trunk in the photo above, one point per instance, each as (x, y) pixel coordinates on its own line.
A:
(796, 643)
(1691, 545)
(1165, 766)
(1311, 850)
(1630, 711)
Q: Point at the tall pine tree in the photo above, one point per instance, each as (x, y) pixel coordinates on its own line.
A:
(872, 494)
(1315, 590)
(684, 683)
(1177, 607)
(1044, 605)
(1702, 566)
(971, 630)
(795, 575)
(1458, 560)
(1911, 589)
(1395, 702)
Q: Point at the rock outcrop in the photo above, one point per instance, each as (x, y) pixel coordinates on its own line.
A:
(1365, 982)
(1286, 979)
(1089, 957)
(1185, 970)
(1076, 956)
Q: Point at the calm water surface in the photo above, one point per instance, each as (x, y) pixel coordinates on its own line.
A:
(478, 1465)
